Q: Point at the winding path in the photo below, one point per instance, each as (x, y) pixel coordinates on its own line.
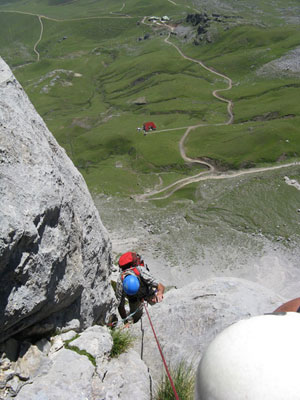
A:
(40, 16)
(39, 39)
(211, 174)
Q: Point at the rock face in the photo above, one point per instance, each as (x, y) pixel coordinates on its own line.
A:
(126, 377)
(69, 376)
(189, 318)
(72, 366)
(55, 254)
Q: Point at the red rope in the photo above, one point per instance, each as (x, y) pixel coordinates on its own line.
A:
(162, 356)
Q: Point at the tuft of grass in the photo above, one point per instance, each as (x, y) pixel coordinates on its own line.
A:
(67, 342)
(184, 380)
(82, 353)
(121, 342)
(78, 351)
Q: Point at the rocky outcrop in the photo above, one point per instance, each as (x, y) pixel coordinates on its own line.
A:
(72, 366)
(287, 65)
(189, 318)
(55, 254)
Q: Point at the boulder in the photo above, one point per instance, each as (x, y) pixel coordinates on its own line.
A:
(32, 363)
(140, 101)
(68, 378)
(189, 318)
(55, 254)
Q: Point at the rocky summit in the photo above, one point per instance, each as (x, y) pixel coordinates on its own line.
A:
(55, 254)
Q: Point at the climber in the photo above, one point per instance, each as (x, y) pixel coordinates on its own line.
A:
(137, 284)
(290, 306)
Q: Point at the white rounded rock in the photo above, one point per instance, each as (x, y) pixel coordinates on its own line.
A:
(253, 359)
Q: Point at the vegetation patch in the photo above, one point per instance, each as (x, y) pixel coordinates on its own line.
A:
(122, 341)
(68, 346)
(98, 80)
(183, 377)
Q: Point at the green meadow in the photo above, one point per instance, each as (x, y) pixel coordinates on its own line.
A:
(102, 74)
(266, 112)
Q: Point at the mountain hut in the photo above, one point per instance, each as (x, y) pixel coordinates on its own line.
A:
(149, 126)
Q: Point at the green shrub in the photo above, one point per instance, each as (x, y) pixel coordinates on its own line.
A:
(122, 340)
(184, 379)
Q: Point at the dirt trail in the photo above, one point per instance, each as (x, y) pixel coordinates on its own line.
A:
(215, 94)
(211, 173)
(205, 175)
(39, 39)
(40, 16)
(185, 181)
(184, 5)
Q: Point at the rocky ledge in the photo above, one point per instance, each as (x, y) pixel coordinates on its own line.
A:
(72, 367)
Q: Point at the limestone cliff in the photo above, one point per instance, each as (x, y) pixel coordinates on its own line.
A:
(55, 254)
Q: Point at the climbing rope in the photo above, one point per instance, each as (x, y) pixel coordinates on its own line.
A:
(122, 321)
(161, 354)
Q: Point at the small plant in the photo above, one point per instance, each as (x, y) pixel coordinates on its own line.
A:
(82, 353)
(121, 342)
(68, 346)
(184, 380)
(114, 285)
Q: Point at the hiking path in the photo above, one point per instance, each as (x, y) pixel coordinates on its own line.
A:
(211, 173)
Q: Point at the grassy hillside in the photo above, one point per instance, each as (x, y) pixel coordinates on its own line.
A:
(102, 73)
(266, 109)
(68, 9)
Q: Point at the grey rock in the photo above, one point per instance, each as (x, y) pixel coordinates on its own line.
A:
(287, 65)
(189, 318)
(65, 374)
(32, 363)
(11, 380)
(74, 324)
(68, 378)
(96, 341)
(57, 343)
(44, 346)
(55, 254)
(13, 384)
(68, 335)
(140, 101)
(125, 377)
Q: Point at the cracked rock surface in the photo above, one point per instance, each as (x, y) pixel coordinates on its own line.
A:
(190, 317)
(55, 254)
(71, 366)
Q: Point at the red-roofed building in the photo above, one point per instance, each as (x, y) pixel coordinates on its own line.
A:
(149, 126)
